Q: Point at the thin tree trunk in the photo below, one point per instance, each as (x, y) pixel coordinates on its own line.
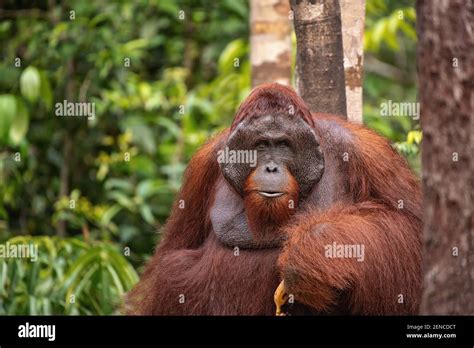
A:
(353, 18)
(446, 80)
(67, 148)
(319, 62)
(270, 41)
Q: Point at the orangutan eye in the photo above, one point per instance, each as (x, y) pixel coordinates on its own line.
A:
(284, 143)
(262, 144)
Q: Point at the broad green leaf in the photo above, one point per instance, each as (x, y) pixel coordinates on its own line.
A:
(122, 184)
(8, 108)
(170, 126)
(116, 279)
(109, 214)
(102, 172)
(234, 49)
(169, 8)
(47, 310)
(148, 188)
(85, 280)
(408, 30)
(33, 277)
(143, 136)
(390, 35)
(122, 199)
(410, 13)
(379, 31)
(30, 83)
(105, 288)
(32, 304)
(81, 264)
(19, 125)
(3, 277)
(126, 272)
(134, 45)
(147, 214)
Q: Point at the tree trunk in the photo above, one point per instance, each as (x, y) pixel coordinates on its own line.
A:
(319, 62)
(353, 18)
(67, 147)
(446, 80)
(270, 41)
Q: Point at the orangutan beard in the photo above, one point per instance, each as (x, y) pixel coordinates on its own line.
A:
(266, 215)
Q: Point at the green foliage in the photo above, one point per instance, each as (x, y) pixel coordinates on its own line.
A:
(161, 88)
(30, 82)
(385, 31)
(161, 85)
(8, 107)
(410, 148)
(69, 276)
(390, 72)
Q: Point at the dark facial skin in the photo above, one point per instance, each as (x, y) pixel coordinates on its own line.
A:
(271, 179)
(282, 142)
(285, 146)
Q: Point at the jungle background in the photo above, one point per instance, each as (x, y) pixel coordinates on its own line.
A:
(66, 184)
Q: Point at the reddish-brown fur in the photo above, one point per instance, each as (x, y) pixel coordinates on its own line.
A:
(266, 216)
(190, 261)
(357, 202)
(273, 98)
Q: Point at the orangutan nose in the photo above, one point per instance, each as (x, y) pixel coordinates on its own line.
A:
(271, 167)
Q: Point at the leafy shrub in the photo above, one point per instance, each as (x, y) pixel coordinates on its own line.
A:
(68, 277)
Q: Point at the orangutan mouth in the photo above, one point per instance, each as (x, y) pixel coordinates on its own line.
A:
(271, 194)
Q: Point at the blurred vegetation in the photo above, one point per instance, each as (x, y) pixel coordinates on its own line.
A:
(68, 277)
(163, 77)
(390, 73)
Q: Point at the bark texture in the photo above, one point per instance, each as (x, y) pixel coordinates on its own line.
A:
(446, 80)
(319, 62)
(353, 18)
(270, 41)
